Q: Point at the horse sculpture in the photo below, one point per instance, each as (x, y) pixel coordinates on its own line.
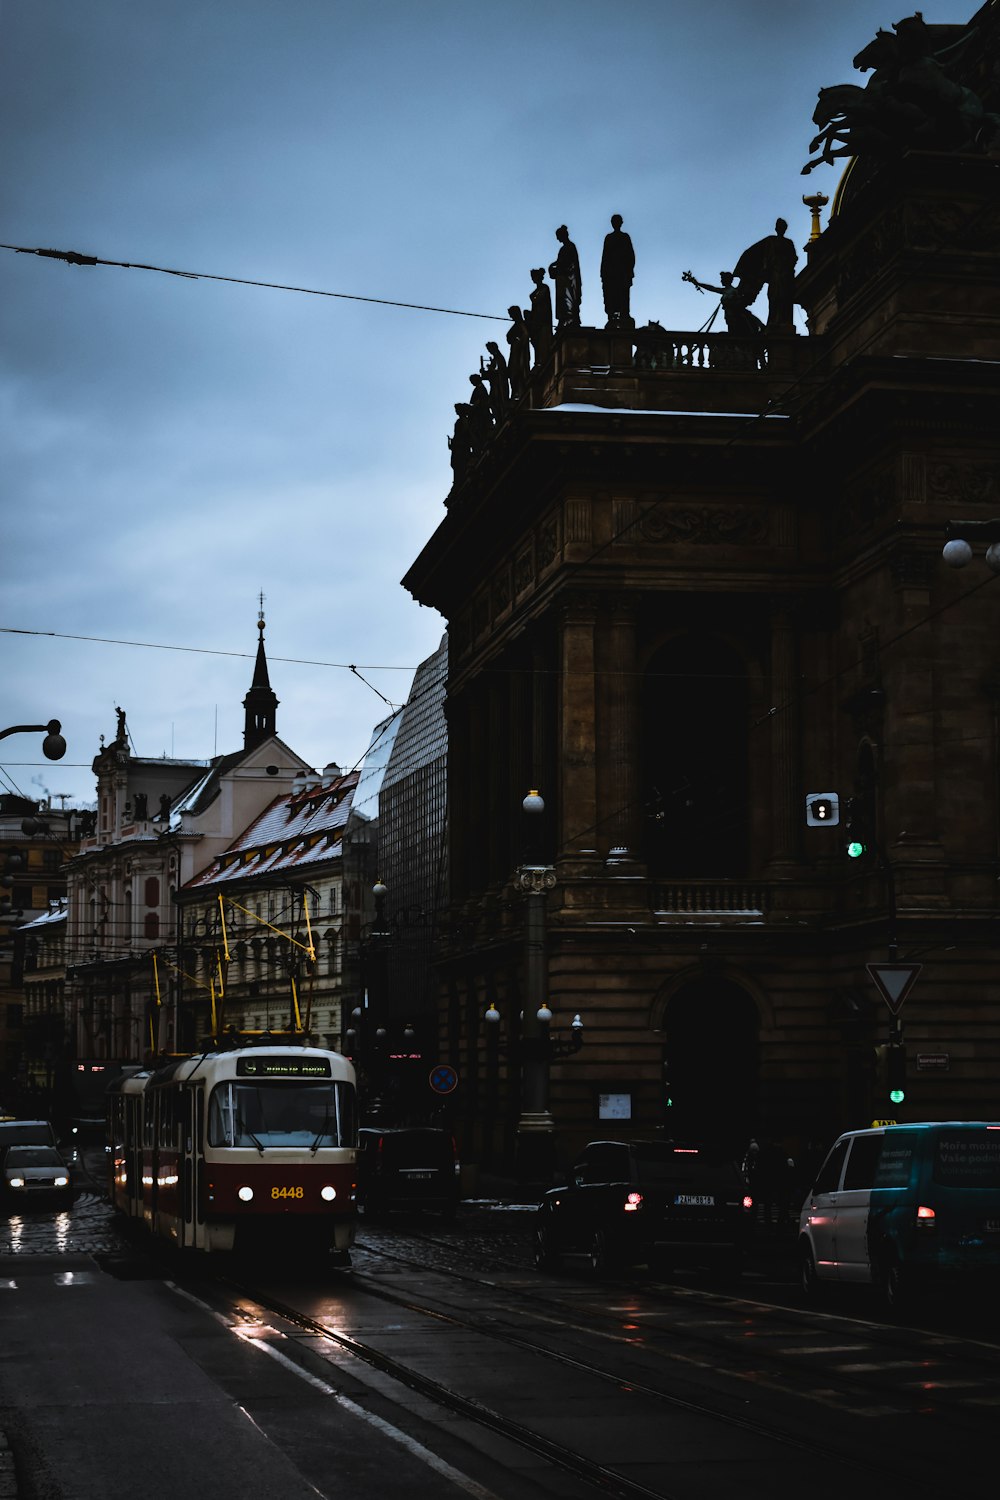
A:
(912, 101)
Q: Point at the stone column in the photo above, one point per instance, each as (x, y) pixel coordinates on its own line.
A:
(577, 767)
(618, 699)
(785, 781)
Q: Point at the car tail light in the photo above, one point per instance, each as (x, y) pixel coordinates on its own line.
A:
(926, 1217)
(633, 1203)
(747, 1202)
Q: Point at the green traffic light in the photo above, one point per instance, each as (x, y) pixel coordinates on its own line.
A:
(897, 1095)
(855, 849)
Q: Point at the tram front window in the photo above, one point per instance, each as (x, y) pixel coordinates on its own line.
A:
(281, 1114)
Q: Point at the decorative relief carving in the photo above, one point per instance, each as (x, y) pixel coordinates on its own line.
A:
(873, 250)
(524, 572)
(963, 484)
(704, 524)
(546, 544)
(480, 615)
(501, 591)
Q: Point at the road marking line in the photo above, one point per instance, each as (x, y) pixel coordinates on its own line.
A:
(455, 1476)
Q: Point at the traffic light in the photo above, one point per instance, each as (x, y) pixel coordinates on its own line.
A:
(895, 1072)
(822, 810)
(858, 836)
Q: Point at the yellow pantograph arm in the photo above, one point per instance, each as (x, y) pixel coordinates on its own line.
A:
(305, 907)
(156, 983)
(225, 939)
(272, 927)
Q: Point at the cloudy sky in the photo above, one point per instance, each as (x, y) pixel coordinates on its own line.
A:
(169, 447)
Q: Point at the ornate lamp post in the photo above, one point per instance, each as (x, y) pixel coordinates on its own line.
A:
(535, 1140)
(53, 745)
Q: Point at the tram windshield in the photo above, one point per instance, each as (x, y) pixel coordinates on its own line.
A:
(310, 1115)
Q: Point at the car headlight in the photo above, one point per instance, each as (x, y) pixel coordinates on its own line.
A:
(16, 1181)
(62, 1182)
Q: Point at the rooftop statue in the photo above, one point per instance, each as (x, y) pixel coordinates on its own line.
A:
(617, 274)
(497, 379)
(913, 100)
(459, 443)
(732, 299)
(565, 272)
(540, 316)
(771, 263)
(480, 415)
(519, 358)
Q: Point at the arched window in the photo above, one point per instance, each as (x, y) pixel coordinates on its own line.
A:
(695, 760)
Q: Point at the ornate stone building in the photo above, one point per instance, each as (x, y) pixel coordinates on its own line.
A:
(159, 821)
(690, 579)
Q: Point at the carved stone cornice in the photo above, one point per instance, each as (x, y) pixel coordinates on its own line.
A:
(703, 525)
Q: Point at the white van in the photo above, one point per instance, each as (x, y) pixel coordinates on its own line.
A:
(904, 1204)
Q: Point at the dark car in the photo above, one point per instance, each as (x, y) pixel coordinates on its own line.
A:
(35, 1174)
(407, 1168)
(636, 1202)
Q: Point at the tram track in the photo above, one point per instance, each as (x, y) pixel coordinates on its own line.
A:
(600, 1476)
(978, 1357)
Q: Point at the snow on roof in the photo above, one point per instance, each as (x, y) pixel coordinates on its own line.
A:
(56, 913)
(646, 411)
(301, 828)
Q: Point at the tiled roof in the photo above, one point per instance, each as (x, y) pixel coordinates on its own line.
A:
(295, 831)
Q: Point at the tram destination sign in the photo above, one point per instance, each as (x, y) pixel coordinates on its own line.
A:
(263, 1066)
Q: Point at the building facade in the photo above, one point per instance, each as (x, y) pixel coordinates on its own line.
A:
(691, 580)
(262, 929)
(159, 822)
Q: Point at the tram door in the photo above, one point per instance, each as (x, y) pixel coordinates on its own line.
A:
(192, 1123)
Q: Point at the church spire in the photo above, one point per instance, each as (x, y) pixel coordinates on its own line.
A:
(261, 705)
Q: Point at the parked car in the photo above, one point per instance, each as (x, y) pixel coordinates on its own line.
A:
(407, 1168)
(34, 1173)
(25, 1133)
(902, 1206)
(633, 1202)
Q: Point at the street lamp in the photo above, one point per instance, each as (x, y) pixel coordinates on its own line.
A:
(535, 1127)
(53, 745)
(957, 551)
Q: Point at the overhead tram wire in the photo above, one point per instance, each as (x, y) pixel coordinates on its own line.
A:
(74, 258)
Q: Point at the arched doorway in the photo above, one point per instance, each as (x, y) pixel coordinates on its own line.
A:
(711, 1063)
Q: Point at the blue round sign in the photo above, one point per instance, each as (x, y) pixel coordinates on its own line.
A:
(443, 1079)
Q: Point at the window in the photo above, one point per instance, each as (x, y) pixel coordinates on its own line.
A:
(151, 925)
(829, 1172)
(862, 1163)
(696, 759)
(151, 891)
(259, 1115)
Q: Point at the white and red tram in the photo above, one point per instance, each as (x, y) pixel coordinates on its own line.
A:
(232, 1150)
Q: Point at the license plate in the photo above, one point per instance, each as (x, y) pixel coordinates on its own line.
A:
(992, 1226)
(693, 1200)
(419, 1176)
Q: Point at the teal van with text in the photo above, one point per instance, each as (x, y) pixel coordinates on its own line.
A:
(905, 1207)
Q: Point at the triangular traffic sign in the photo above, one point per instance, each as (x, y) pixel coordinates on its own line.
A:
(894, 982)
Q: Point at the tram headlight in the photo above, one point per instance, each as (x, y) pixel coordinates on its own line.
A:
(328, 1193)
(244, 1194)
